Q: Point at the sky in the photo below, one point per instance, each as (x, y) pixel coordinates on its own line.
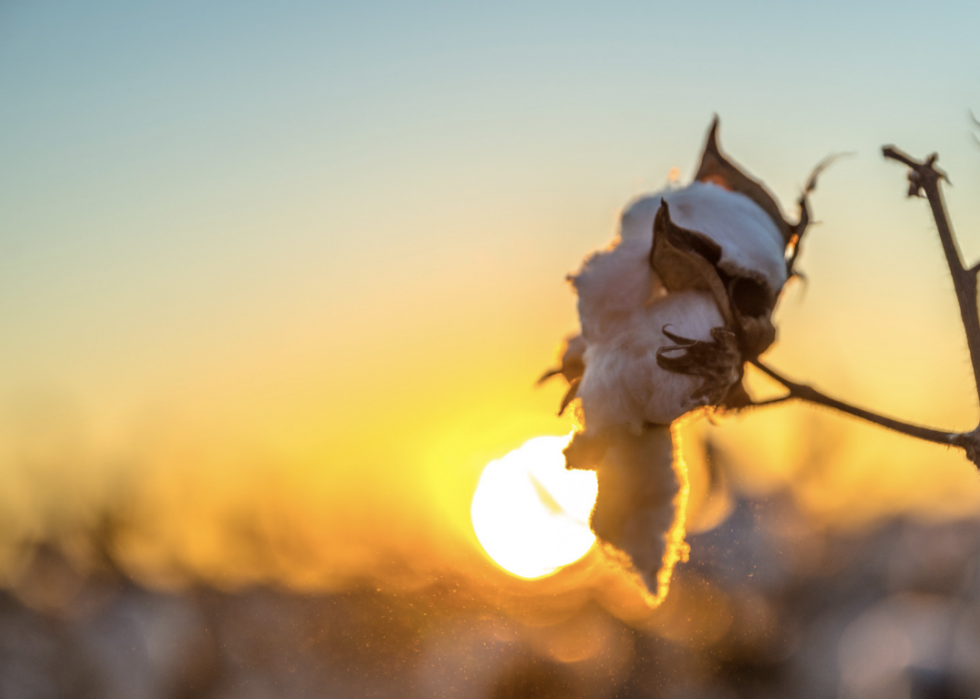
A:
(307, 260)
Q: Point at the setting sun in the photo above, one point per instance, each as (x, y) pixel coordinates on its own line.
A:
(531, 514)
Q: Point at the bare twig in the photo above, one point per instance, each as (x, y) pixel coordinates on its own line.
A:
(923, 177)
(811, 395)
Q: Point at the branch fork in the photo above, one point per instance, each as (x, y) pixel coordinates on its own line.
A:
(924, 178)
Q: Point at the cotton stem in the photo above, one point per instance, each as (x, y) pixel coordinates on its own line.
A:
(811, 395)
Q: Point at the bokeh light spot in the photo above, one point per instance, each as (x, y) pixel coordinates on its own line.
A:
(530, 513)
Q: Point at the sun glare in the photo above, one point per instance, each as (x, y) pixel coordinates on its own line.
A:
(530, 513)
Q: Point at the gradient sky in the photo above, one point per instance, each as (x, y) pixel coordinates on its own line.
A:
(328, 242)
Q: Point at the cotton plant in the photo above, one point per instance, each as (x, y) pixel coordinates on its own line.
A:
(670, 313)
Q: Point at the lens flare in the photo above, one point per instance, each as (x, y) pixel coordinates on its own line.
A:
(530, 513)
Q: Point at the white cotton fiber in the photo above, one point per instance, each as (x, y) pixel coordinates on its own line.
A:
(637, 512)
(624, 385)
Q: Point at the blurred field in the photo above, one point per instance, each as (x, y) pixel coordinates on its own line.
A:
(768, 606)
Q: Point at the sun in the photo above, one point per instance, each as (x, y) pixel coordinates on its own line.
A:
(530, 513)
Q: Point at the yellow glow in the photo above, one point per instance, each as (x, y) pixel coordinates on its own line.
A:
(677, 549)
(530, 513)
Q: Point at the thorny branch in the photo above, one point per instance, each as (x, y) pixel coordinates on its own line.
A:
(924, 177)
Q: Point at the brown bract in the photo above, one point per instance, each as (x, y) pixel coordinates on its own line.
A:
(717, 169)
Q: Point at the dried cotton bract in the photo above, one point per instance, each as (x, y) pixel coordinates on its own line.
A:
(669, 315)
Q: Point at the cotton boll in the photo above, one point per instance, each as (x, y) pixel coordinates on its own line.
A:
(669, 314)
(624, 308)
